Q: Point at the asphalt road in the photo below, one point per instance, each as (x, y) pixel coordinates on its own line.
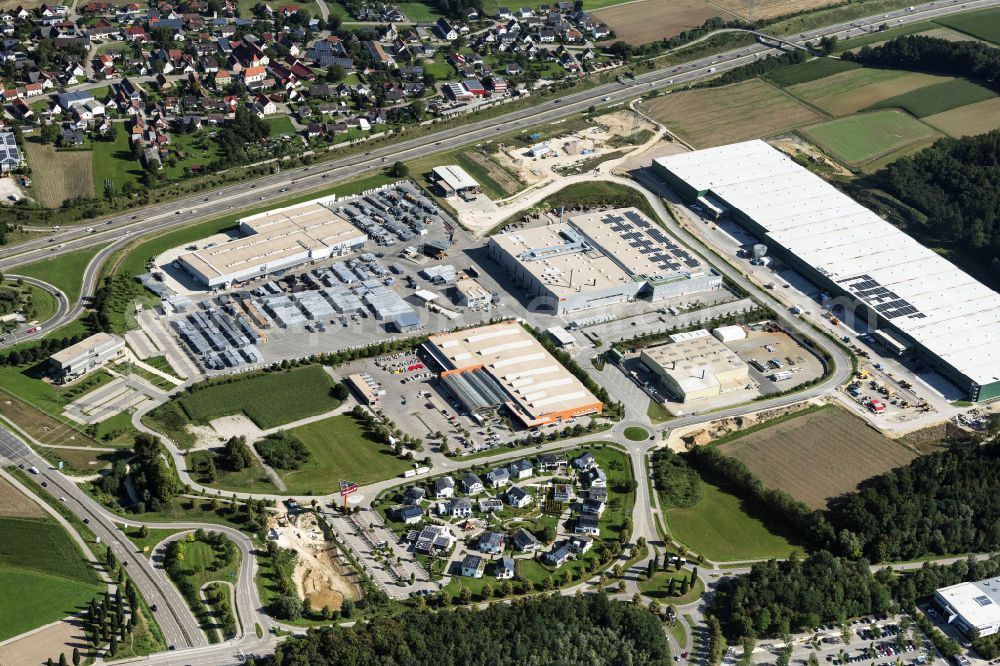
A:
(178, 625)
(122, 229)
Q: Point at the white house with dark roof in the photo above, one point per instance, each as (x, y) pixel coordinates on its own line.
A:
(471, 484)
(444, 487)
(473, 566)
(518, 498)
(504, 568)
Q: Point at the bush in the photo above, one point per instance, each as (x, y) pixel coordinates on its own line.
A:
(283, 451)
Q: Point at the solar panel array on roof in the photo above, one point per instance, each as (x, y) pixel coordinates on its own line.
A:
(953, 316)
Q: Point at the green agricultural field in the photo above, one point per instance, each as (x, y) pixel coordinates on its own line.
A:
(340, 449)
(818, 68)
(859, 139)
(33, 600)
(64, 273)
(938, 98)
(720, 528)
(38, 590)
(984, 24)
(268, 399)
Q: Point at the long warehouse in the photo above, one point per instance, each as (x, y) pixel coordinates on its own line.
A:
(948, 319)
(503, 364)
(275, 240)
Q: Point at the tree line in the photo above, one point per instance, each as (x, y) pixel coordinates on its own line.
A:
(968, 59)
(588, 629)
(756, 69)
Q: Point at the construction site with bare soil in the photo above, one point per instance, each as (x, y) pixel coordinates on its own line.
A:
(322, 574)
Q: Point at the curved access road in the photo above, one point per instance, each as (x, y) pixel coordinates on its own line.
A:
(60, 317)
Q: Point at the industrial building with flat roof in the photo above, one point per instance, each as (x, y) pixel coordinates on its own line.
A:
(696, 365)
(503, 364)
(974, 605)
(89, 354)
(599, 259)
(453, 179)
(948, 319)
(275, 240)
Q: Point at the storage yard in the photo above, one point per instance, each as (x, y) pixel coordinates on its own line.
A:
(935, 311)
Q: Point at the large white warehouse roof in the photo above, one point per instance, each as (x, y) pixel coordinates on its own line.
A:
(925, 296)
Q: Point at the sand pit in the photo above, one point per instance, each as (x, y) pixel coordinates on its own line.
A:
(236, 425)
(15, 503)
(319, 576)
(35, 648)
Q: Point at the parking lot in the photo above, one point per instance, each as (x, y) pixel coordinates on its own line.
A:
(870, 642)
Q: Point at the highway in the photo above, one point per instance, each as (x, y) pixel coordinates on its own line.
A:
(120, 230)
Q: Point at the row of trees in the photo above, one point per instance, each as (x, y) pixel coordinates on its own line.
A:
(38, 352)
(574, 630)
(757, 68)
(969, 59)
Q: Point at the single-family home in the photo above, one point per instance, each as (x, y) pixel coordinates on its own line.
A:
(490, 504)
(471, 484)
(444, 487)
(524, 541)
(520, 469)
(490, 542)
(518, 498)
(548, 462)
(433, 539)
(473, 566)
(562, 492)
(579, 544)
(593, 507)
(558, 555)
(460, 507)
(584, 461)
(407, 514)
(413, 495)
(594, 478)
(504, 568)
(587, 525)
(498, 477)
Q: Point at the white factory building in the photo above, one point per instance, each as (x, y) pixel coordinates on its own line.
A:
(970, 606)
(453, 179)
(599, 259)
(87, 355)
(920, 299)
(275, 240)
(696, 365)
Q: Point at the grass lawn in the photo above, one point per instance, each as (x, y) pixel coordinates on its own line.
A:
(719, 528)
(938, 98)
(636, 434)
(25, 382)
(657, 413)
(858, 139)
(187, 150)
(202, 564)
(117, 430)
(162, 364)
(984, 24)
(340, 449)
(39, 590)
(809, 71)
(64, 273)
(656, 587)
(441, 70)
(269, 399)
(279, 126)
(113, 159)
(45, 304)
(419, 12)
(251, 480)
(154, 537)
